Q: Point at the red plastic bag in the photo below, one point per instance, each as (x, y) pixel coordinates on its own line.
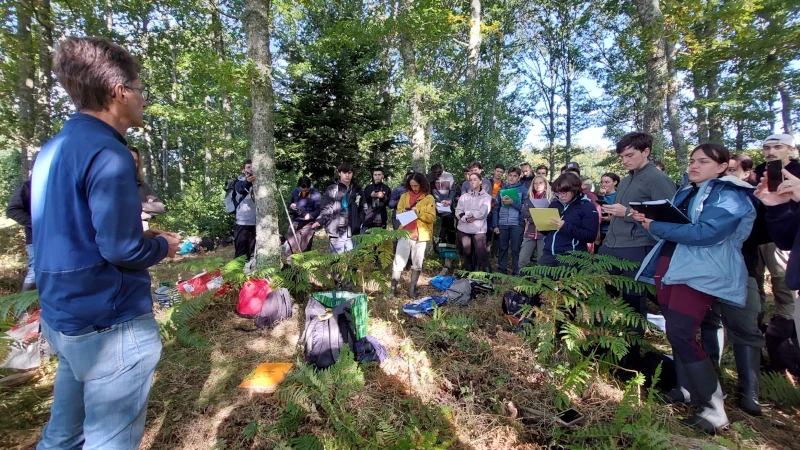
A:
(200, 283)
(252, 296)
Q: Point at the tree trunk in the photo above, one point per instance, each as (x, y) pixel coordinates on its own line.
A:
(165, 157)
(420, 148)
(714, 113)
(700, 108)
(181, 169)
(673, 113)
(739, 123)
(151, 172)
(219, 46)
(256, 22)
(652, 22)
(27, 80)
(786, 108)
(45, 109)
(568, 111)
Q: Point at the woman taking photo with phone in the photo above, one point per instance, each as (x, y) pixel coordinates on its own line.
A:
(695, 264)
(472, 210)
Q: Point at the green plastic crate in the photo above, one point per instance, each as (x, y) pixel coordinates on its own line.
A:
(332, 299)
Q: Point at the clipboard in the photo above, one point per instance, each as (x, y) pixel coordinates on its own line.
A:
(512, 192)
(266, 376)
(541, 218)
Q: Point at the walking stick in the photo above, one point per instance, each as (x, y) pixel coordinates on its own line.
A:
(291, 225)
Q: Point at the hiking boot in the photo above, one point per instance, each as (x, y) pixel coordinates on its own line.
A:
(747, 366)
(708, 394)
(412, 285)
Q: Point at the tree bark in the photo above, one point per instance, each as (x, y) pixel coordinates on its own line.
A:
(165, 156)
(45, 88)
(256, 20)
(652, 22)
(673, 113)
(27, 79)
(181, 169)
(420, 148)
(786, 108)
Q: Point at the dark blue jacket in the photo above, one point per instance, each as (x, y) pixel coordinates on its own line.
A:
(91, 254)
(784, 227)
(310, 204)
(511, 214)
(580, 226)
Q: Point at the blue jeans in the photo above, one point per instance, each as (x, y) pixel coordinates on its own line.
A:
(30, 277)
(102, 384)
(510, 235)
(341, 244)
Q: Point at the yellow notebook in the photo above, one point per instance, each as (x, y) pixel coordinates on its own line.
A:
(541, 218)
(266, 377)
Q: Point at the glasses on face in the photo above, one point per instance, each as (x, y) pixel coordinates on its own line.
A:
(144, 91)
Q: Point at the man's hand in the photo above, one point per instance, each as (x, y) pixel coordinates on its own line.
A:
(307, 217)
(445, 202)
(790, 186)
(778, 197)
(151, 233)
(380, 194)
(174, 243)
(496, 230)
(507, 200)
(315, 225)
(250, 178)
(374, 194)
(293, 206)
(616, 209)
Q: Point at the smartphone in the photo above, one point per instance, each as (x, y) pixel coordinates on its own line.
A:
(569, 417)
(775, 175)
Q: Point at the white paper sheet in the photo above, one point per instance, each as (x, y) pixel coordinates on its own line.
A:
(442, 209)
(407, 217)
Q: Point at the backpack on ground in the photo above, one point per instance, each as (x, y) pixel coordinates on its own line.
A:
(460, 292)
(480, 287)
(326, 331)
(513, 302)
(230, 200)
(277, 307)
(251, 297)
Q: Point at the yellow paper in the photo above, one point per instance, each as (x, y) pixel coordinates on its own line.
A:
(266, 376)
(542, 216)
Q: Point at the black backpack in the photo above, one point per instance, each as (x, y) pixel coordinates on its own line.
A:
(513, 302)
(326, 331)
(277, 307)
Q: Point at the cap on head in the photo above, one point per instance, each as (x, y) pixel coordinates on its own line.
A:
(573, 165)
(785, 139)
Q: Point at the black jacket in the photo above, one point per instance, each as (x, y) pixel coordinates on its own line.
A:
(338, 221)
(19, 209)
(375, 208)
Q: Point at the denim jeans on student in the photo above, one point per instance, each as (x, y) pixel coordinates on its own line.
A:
(101, 387)
(30, 277)
(510, 238)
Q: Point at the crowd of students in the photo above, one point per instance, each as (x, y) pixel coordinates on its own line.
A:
(708, 273)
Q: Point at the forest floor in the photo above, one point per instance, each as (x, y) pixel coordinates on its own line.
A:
(471, 384)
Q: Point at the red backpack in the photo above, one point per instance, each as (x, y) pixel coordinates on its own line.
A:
(251, 297)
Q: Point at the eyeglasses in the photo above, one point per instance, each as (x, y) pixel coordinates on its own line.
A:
(144, 91)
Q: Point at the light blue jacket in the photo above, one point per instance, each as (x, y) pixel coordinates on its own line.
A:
(708, 257)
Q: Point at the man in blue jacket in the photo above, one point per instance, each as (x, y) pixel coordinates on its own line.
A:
(509, 222)
(92, 255)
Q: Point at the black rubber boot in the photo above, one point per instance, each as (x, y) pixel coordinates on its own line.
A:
(680, 393)
(395, 280)
(412, 285)
(748, 360)
(708, 394)
(713, 341)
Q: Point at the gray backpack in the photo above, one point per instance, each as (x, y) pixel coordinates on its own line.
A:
(459, 293)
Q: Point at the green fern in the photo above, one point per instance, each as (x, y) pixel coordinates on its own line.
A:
(16, 304)
(777, 388)
(180, 316)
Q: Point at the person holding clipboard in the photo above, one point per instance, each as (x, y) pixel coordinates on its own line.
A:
(416, 212)
(508, 220)
(576, 224)
(695, 264)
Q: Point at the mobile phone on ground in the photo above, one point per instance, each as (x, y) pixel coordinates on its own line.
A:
(775, 175)
(569, 417)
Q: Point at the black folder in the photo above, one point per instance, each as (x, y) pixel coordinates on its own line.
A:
(660, 211)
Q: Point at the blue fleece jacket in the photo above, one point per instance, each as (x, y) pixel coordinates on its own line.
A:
(580, 227)
(91, 254)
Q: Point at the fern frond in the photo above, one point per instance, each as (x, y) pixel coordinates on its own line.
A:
(17, 303)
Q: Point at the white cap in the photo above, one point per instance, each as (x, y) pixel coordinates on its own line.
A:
(785, 139)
